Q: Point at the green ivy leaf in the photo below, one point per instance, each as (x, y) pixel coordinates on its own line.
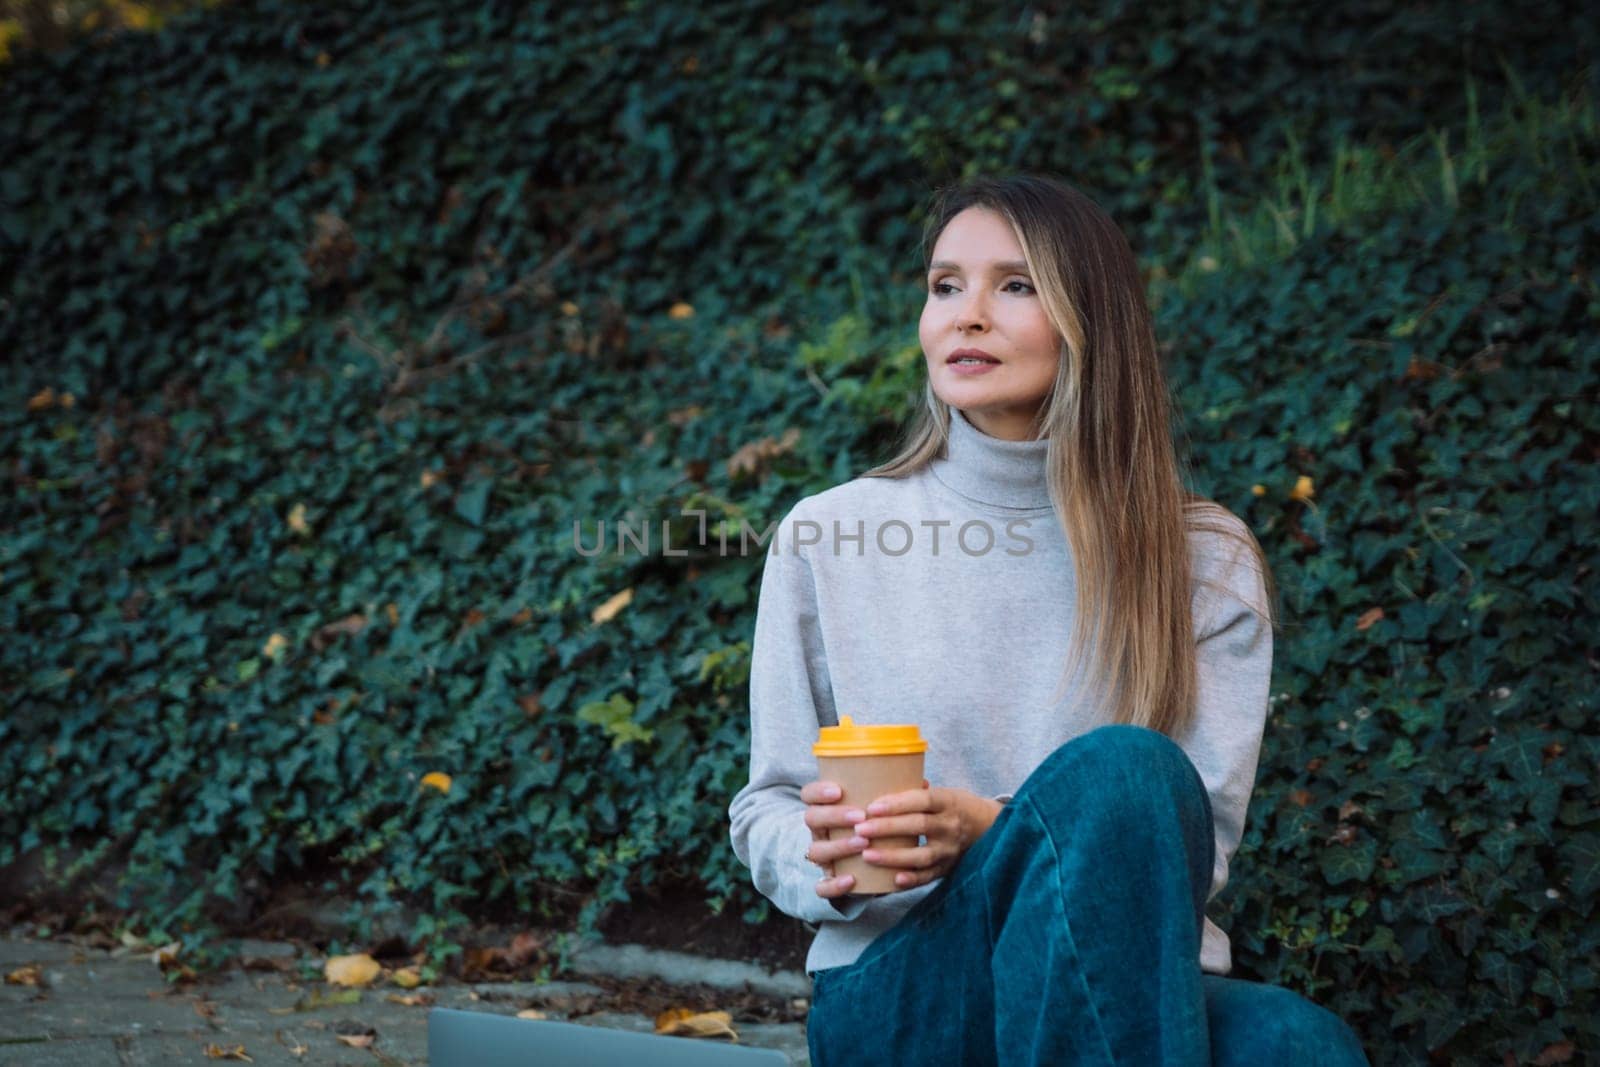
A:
(1347, 863)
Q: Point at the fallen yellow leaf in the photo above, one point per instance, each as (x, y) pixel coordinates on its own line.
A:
(274, 646)
(406, 978)
(357, 970)
(568, 308)
(680, 310)
(44, 398)
(237, 1052)
(429, 479)
(531, 1013)
(411, 1000)
(315, 1000)
(608, 611)
(436, 780)
(1302, 489)
(1258, 490)
(297, 519)
(685, 1022)
(28, 975)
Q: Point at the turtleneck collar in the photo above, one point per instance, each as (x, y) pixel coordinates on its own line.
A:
(1008, 474)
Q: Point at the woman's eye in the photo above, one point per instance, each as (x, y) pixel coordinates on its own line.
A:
(938, 288)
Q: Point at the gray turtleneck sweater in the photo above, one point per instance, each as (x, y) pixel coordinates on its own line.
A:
(946, 599)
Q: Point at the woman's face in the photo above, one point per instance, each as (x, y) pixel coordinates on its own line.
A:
(980, 296)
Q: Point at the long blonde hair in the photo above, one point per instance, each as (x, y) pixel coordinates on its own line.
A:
(1115, 478)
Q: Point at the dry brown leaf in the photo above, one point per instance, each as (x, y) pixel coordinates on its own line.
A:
(1368, 618)
(1560, 1052)
(354, 1034)
(532, 1013)
(411, 1000)
(236, 1052)
(348, 626)
(608, 611)
(685, 1022)
(357, 970)
(525, 947)
(357, 1040)
(166, 958)
(530, 705)
(28, 975)
(753, 457)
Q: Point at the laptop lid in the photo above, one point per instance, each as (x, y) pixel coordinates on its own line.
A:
(484, 1039)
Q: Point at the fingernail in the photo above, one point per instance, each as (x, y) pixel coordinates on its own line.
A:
(876, 808)
(847, 880)
(830, 793)
(872, 855)
(863, 828)
(854, 815)
(858, 842)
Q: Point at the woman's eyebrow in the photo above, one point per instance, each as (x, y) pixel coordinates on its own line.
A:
(1001, 266)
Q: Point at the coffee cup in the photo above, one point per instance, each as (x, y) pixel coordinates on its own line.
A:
(868, 762)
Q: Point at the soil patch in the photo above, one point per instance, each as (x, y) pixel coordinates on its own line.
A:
(678, 919)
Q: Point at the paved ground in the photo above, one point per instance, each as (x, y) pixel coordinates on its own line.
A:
(91, 1006)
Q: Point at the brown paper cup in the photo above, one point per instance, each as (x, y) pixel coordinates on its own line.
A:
(869, 761)
(864, 779)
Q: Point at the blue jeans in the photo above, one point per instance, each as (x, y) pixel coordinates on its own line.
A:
(1070, 934)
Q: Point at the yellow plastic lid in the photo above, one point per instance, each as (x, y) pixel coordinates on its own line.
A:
(848, 739)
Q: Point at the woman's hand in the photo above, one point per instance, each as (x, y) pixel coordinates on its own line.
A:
(822, 813)
(950, 819)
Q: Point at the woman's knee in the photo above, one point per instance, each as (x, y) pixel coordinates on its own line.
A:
(1255, 1022)
(1122, 768)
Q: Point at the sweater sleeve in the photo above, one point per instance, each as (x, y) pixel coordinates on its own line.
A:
(791, 697)
(1234, 661)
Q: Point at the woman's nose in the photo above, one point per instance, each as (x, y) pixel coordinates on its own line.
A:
(972, 313)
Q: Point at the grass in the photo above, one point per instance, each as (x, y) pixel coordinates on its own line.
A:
(1531, 144)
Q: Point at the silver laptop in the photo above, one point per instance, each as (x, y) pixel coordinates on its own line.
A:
(484, 1039)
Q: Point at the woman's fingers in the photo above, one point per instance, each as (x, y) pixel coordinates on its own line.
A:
(821, 792)
(919, 857)
(836, 887)
(824, 852)
(919, 865)
(823, 817)
(918, 824)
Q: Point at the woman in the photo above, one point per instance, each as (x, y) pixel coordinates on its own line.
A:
(1087, 649)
